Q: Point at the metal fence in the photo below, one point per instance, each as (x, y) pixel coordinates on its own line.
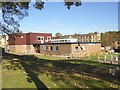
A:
(105, 58)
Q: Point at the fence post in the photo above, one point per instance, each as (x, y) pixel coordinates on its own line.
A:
(111, 58)
(98, 57)
(113, 73)
(104, 58)
(75, 55)
(116, 58)
(89, 55)
(66, 56)
(62, 56)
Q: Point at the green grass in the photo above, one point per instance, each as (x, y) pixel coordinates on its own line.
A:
(41, 71)
(102, 57)
(13, 76)
(48, 57)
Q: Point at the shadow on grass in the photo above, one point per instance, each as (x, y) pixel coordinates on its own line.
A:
(32, 76)
(33, 66)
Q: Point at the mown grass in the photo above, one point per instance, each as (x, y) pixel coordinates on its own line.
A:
(40, 72)
(102, 57)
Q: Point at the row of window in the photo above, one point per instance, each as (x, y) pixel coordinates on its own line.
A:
(56, 48)
(89, 37)
(39, 38)
(51, 48)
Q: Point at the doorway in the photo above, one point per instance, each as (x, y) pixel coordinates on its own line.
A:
(37, 48)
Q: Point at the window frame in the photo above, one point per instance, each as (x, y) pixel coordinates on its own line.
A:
(50, 48)
(46, 47)
(40, 38)
(56, 48)
(48, 37)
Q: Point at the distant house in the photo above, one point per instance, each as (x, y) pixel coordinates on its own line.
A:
(90, 37)
(4, 41)
(28, 42)
(117, 46)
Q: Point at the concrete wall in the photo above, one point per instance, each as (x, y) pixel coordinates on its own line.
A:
(89, 49)
(71, 49)
(21, 49)
(63, 49)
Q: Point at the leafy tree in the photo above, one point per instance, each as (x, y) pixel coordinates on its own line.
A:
(109, 38)
(58, 34)
(13, 12)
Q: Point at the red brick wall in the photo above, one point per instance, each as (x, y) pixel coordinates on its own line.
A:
(26, 38)
(17, 40)
(33, 37)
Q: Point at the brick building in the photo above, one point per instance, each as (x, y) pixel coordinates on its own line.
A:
(42, 43)
(69, 46)
(90, 37)
(27, 42)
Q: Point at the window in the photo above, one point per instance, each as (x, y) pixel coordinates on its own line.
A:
(65, 40)
(57, 48)
(51, 48)
(39, 38)
(46, 48)
(48, 38)
(21, 37)
(76, 48)
(42, 46)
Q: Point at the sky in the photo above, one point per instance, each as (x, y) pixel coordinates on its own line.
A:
(55, 17)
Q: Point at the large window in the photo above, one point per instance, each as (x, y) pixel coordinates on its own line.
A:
(57, 48)
(51, 48)
(46, 48)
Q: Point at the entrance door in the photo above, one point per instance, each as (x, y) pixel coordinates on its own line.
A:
(37, 48)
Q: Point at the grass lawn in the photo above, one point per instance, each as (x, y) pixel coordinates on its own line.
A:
(45, 72)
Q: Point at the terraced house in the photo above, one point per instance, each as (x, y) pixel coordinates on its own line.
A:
(90, 37)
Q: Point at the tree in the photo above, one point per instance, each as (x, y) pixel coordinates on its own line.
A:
(58, 34)
(109, 38)
(13, 12)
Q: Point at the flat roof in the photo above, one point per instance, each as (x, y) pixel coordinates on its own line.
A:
(69, 43)
(29, 33)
